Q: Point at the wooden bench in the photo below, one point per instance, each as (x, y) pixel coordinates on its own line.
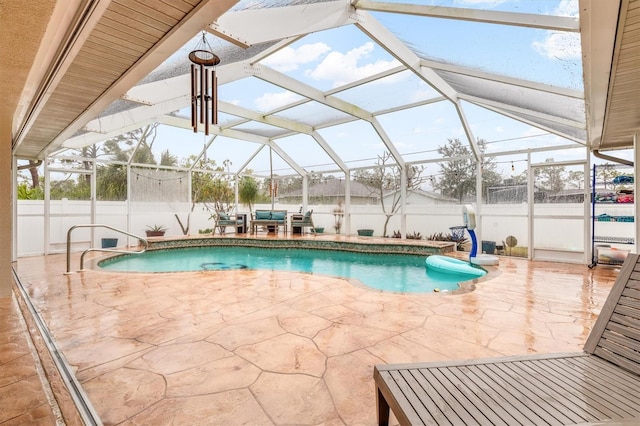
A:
(599, 386)
(269, 218)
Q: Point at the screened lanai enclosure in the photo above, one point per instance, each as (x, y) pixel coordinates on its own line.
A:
(375, 115)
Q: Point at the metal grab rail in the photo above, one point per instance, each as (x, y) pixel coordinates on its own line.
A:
(144, 241)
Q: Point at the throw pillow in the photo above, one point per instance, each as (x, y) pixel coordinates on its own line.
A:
(278, 215)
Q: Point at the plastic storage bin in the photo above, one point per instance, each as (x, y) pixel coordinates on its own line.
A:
(611, 255)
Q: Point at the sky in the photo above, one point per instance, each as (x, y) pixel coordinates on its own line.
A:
(330, 59)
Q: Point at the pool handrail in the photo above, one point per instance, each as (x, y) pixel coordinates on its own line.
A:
(144, 242)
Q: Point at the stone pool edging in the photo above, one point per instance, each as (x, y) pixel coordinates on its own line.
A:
(395, 248)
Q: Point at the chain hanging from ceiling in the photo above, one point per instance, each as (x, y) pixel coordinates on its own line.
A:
(204, 85)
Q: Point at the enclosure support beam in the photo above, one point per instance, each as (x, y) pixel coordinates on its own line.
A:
(467, 131)
(129, 203)
(636, 184)
(530, 206)
(14, 201)
(479, 202)
(94, 196)
(305, 193)
(47, 207)
(347, 202)
(403, 202)
(587, 209)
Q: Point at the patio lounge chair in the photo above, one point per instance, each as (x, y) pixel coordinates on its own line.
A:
(600, 386)
(222, 220)
(303, 221)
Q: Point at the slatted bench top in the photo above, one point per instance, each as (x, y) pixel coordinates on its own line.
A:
(542, 390)
(599, 386)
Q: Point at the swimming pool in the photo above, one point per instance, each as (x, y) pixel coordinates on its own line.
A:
(389, 272)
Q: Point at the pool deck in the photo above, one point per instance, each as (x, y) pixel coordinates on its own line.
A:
(263, 347)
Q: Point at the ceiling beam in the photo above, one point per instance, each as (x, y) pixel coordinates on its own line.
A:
(514, 116)
(284, 81)
(235, 134)
(252, 26)
(518, 82)
(402, 53)
(529, 20)
(505, 107)
(295, 127)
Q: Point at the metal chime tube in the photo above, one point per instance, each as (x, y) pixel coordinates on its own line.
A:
(194, 98)
(202, 94)
(214, 97)
(207, 98)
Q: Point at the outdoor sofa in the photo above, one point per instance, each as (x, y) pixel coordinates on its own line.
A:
(272, 219)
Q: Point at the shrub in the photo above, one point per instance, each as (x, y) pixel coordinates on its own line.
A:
(441, 236)
(415, 236)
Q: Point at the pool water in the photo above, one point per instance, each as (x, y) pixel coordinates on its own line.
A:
(399, 273)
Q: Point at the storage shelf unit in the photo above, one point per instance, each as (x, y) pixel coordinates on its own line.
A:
(611, 220)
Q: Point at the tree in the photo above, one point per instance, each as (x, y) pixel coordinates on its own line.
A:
(576, 179)
(111, 182)
(26, 192)
(248, 191)
(33, 190)
(385, 180)
(550, 177)
(168, 159)
(458, 171)
(208, 187)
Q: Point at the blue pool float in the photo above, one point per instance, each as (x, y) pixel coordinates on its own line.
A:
(450, 265)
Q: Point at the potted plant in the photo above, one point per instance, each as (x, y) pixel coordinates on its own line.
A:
(156, 230)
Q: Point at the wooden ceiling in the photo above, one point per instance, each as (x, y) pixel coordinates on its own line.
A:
(109, 47)
(622, 116)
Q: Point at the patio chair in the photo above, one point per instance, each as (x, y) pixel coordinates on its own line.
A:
(303, 221)
(222, 220)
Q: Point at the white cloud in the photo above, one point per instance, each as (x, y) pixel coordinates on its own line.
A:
(290, 59)
(270, 101)
(342, 68)
(567, 8)
(561, 45)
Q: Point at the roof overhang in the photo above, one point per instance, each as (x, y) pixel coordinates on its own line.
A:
(132, 38)
(611, 59)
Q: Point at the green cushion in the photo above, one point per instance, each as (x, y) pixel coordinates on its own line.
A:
(263, 214)
(278, 215)
(307, 215)
(223, 216)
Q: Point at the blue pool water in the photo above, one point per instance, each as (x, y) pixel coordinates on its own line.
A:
(387, 272)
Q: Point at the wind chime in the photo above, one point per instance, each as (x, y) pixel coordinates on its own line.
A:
(204, 86)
